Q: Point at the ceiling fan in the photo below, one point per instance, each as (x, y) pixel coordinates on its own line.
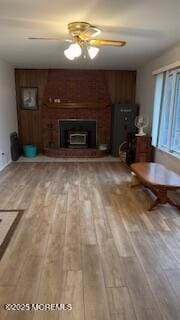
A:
(82, 42)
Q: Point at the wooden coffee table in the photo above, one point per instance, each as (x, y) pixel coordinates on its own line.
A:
(158, 179)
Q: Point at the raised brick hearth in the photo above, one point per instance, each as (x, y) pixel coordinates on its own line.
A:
(75, 153)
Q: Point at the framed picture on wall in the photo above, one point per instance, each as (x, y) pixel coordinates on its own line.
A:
(29, 98)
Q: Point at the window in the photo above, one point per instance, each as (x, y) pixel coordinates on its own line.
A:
(157, 107)
(176, 119)
(166, 116)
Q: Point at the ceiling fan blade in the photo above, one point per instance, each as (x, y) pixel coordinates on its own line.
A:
(53, 39)
(100, 42)
(89, 33)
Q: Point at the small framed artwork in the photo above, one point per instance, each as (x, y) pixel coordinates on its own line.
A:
(29, 98)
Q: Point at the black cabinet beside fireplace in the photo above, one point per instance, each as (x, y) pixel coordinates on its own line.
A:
(123, 117)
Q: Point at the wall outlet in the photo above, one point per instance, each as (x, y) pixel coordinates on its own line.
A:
(3, 159)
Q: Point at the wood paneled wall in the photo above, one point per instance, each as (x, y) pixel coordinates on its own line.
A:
(29, 122)
(121, 86)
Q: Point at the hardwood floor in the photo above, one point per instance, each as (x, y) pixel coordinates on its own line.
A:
(86, 239)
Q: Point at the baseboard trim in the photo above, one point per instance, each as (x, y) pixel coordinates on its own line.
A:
(5, 165)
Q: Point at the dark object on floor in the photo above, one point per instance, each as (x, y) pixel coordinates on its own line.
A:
(158, 179)
(15, 146)
(139, 149)
(123, 117)
(9, 222)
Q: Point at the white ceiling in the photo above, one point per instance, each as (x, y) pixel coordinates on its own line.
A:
(149, 27)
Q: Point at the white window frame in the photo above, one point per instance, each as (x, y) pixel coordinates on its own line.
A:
(157, 125)
(158, 97)
(174, 111)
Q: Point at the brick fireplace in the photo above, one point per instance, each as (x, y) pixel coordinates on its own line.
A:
(93, 118)
(83, 100)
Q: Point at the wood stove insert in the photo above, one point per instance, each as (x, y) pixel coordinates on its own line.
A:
(77, 139)
(77, 133)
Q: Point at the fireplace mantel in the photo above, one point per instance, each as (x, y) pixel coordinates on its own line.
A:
(78, 105)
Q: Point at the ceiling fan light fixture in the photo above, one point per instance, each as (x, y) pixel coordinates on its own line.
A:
(68, 54)
(74, 51)
(92, 51)
(82, 43)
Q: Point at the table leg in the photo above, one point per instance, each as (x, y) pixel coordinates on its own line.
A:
(162, 198)
(134, 182)
(173, 203)
(154, 204)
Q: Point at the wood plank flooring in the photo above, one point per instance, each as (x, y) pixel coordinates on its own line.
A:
(87, 239)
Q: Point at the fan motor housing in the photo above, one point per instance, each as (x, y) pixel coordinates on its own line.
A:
(76, 28)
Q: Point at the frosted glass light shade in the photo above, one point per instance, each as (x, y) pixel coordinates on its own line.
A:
(68, 54)
(93, 51)
(74, 51)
